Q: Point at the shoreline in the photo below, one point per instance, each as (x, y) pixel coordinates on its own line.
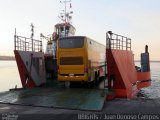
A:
(7, 58)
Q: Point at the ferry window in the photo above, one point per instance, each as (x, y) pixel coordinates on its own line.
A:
(74, 42)
(67, 28)
(61, 28)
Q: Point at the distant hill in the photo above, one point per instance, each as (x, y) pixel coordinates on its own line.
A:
(13, 58)
(154, 61)
(150, 61)
(7, 58)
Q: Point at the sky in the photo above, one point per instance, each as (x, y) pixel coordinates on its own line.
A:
(136, 19)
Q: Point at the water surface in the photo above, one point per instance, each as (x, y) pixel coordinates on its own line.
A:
(9, 75)
(9, 78)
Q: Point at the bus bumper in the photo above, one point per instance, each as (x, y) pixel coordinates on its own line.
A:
(72, 78)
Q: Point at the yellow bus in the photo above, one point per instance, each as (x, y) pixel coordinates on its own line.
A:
(80, 58)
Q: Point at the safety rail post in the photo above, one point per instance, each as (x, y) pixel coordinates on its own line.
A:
(119, 47)
(122, 43)
(17, 43)
(130, 45)
(20, 45)
(40, 46)
(25, 44)
(15, 40)
(126, 44)
(116, 42)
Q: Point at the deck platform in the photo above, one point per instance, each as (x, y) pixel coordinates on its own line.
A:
(65, 104)
(69, 98)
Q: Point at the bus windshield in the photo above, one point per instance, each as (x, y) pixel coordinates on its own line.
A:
(73, 42)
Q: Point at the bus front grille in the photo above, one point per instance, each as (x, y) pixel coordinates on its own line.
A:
(71, 61)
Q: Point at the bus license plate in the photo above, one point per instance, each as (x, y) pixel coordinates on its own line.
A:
(71, 75)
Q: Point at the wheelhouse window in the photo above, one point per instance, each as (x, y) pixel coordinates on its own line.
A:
(71, 42)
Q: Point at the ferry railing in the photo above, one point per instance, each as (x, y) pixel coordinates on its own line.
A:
(119, 42)
(27, 44)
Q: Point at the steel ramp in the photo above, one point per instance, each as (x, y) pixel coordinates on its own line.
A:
(79, 99)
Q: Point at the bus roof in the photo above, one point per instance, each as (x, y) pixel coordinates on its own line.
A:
(82, 37)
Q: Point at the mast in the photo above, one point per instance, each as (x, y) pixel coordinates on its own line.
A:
(65, 10)
(66, 13)
(32, 34)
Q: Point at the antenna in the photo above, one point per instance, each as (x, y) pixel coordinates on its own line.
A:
(65, 14)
